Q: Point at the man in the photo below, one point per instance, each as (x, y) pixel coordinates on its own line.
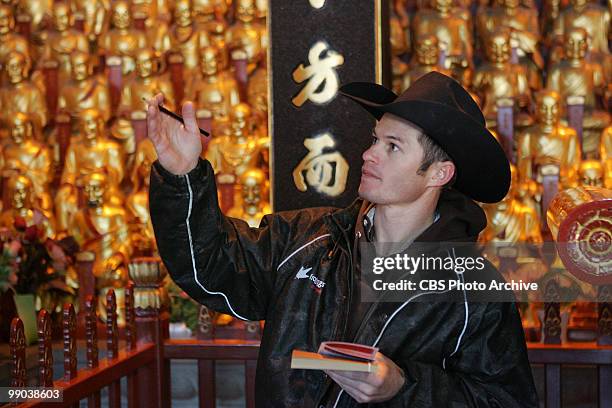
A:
(432, 353)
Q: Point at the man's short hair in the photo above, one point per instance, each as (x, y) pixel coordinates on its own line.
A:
(432, 152)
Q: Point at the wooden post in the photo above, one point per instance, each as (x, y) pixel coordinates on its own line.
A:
(17, 343)
(139, 124)
(505, 126)
(79, 21)
(443, 46)
(69, 334)
(152, 326)
(112, 346)
(514, 59)
(62, 134)
(130, 341)
(575, 116)
(552, 314)
(115, 80)
(24, 26)
(87, 287)
(204, 118)
(140, 18)
(226, 185)
(91, 335)
(51, 76)
(45, 352)
(239, 61)
(549, 174)
(175, 66)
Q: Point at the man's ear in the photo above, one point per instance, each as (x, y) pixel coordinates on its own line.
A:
(442, 173)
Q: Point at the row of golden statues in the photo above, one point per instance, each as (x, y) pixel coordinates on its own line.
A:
(539, 62)
(75, 159)
(506, 51)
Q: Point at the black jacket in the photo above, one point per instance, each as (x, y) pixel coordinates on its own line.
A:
(455, 354)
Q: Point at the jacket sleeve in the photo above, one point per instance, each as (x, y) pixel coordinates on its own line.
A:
(490, 368)
(218, 261)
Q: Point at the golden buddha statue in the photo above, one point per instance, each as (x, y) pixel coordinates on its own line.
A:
(36, 10)
(85, 90)
(510, 220)
(21, 193)
(427, 56)
(452, 30)
(63, 40)
(248, 33)
(95, 16)
(157, 30)
(9, 40)
(144, 85)
(595, 20)
(217, 31)
(214, 90)
(19, 94)
(522, 21)
(137, 203)
(575, 76)
(591, 173)
(157, 11)
(253, 202)
(101, 227)
(548, 142)
(499, 78)
(257, 96)
(122, 40)
(24, 155)
(91, 152)
(235, 153)
(186, 37)
(205, 11)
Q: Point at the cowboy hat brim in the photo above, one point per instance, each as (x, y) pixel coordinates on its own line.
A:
(482, 169)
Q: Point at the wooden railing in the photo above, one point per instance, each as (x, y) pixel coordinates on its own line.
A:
(145, 361)
(553, 357)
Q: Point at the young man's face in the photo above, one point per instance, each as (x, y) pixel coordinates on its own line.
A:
(390, 164)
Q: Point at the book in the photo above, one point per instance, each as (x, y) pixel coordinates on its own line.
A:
(352, 351)
(314, 361)
(336, 355)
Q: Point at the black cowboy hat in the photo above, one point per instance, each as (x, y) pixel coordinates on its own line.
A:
(447, 113)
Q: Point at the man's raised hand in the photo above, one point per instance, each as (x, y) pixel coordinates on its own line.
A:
(178, 146)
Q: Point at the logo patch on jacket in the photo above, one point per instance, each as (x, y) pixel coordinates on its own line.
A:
(316, 282)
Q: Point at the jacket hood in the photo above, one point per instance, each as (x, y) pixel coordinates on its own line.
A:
(461, 219)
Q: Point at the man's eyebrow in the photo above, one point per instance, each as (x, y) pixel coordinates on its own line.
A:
(390, 137)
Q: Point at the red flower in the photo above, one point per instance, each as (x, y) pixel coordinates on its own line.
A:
(20, 223)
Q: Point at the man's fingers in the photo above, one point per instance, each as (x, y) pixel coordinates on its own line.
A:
(365, 387)
(189, 117)
(354, 390)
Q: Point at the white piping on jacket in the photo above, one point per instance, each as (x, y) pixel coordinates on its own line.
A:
(300, 248)
(465, 323)
(387, 323)
(193, 265)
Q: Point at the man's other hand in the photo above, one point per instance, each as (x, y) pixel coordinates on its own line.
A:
(380, 385)
(178, 146)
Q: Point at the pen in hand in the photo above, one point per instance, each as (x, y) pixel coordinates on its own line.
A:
(177, 117)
